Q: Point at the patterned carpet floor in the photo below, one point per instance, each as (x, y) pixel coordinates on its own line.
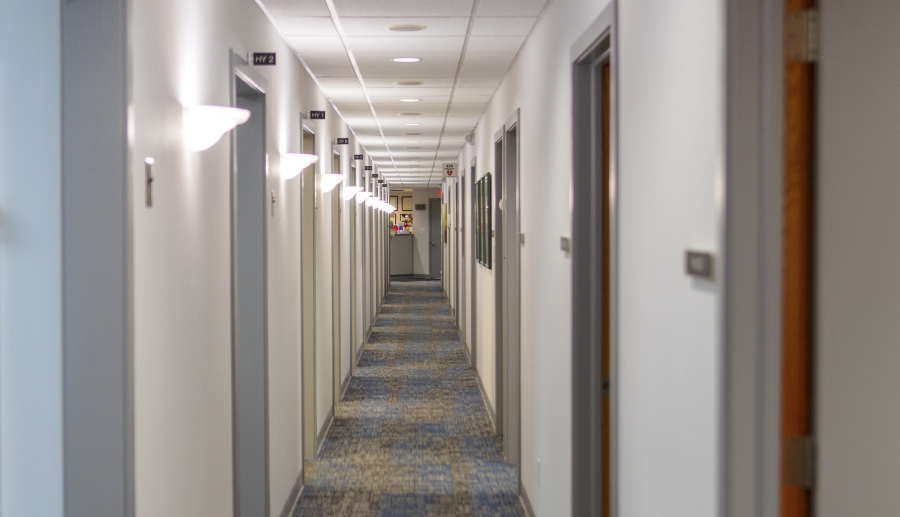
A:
(412, 436)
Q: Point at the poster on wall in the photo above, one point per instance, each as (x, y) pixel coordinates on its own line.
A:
(407, 203)
(394, 203)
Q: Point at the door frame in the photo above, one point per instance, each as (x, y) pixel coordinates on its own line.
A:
(751, 265)
(308, 297)
(473, 263)
(431, 251)
(242, 71)
(508, 283)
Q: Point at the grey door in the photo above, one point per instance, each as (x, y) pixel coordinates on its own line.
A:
(435, 246)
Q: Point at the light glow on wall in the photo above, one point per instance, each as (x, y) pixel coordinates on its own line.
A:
(292, 164)
(204, 126)
(351, 192)
(330, 181)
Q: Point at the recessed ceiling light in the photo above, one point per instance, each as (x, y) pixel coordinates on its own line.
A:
(413, 147)
(412, 124)
(412, 134)
(409, 83)
(410, 114)
(410, 100)
(407, 28)
(406, 60)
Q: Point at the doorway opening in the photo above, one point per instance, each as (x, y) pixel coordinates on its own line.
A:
(593, 270)
(336, 273)
(249, 213)
(308, 297)
(508, 282)
(473, 258)
(435, 241)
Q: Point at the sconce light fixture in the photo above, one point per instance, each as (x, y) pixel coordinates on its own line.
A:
(351, 192)
(329, 181)
(292, 164)
(371, 201)
(362, 196)
(205, 125)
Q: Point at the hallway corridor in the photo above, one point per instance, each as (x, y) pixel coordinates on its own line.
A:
(412, 435)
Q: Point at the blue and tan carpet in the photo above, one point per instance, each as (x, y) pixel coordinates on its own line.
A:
(412, 436)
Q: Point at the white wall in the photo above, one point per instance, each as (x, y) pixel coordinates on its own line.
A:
(671, 162)
(31, 433)
(422, 230)
(858, 249)
(182, 266)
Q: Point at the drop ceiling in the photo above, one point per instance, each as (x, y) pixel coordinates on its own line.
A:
(465, 50)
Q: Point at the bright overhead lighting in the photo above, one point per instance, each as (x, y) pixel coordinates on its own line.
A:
(406, 60)
(351, 192)
(205, 125)
(407, 28)
(329, 181)
(409, 83)
(410, 114)
(412, 124)
(362, 196)
(410, 100)
(292, 164)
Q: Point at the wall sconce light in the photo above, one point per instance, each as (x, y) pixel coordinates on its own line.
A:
(371, 201)
(362, 196)
(329, 181)
(351, 192)
(292, 164)
(205, 125)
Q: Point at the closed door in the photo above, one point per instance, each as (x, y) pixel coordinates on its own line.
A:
(435, 241)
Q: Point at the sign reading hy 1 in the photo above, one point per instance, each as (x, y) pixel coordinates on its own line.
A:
(449, 169)
(343, 141)
(317, 115)
(357, 157)
(263, 58)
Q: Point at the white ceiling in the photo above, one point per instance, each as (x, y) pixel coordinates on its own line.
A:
(328, 41)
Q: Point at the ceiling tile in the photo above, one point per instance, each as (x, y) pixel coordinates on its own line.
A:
(399, 47)
(296, 7)
(495, 44)
(306, 26)
(503, 26)
(405, 8)
(487, 64)
(511, 7)
(379, 26)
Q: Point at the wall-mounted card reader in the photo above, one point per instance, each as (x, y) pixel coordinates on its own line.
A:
(699, 264)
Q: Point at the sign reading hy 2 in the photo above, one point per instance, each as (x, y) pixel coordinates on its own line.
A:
(449, 169)
(317, 115)
(263, 58)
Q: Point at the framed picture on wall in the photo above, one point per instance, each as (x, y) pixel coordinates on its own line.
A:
(407, 204)
(394, 202)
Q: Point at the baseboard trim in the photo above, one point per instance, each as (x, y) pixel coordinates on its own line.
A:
(294, 497)
(526, 503)
(324, 431)
(484, 397)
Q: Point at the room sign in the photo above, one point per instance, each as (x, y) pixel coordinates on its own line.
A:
(343, 141)
(317, 115)
(357, 157)
(263, 58)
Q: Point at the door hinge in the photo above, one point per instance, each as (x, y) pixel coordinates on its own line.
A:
(801, 36)
(800, 462)
(605, 387)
